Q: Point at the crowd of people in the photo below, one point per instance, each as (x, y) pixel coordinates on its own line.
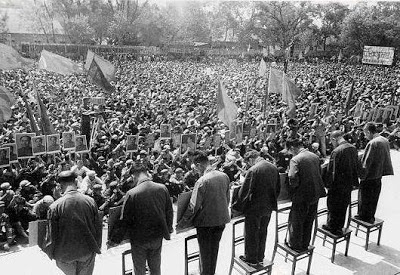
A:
(181, 94)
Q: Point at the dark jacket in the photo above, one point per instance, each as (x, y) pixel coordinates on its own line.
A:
(376, 161)
(75, 227)
(342, 172)
(305, 178)
(260, 189)
(147, 212)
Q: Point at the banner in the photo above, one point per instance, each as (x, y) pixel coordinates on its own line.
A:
(106, 66)
(46, 125)
(378, 55)
(6, 101)
(96, 75)
(226, 108)
(59, 64)
(10, 59)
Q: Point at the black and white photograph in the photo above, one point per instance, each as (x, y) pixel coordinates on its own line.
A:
(24, 145)
(68, 141)
(13, 152)
(53, 143)
(81, 144)
(39, 145)
(264, 136)
(4, 157)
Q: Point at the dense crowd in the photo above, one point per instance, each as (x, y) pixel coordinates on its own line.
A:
(182, 94)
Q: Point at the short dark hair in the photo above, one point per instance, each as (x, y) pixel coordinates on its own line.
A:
(293, 142)
(200, 157)
(66, 176)
(371, 127)
(24, 137)
(138, 167)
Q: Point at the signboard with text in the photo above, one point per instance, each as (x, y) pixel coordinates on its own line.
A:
(378, 55)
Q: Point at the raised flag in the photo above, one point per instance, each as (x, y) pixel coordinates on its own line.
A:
(46, 125)
(226, 108)
(348, 98)
(96, 75)
(34, 126)
(59, 64)
(6, 101)
(280, 83)
(106, 66)
(263, 68)
(340, 56)
(10, 59)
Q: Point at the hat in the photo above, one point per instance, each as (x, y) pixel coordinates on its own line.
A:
(178, 170)
(163, 171)
(142, 152)
(48, 199)
(101, 158)
(129, 161)
(167, 147)
(66, 176)
(5, 185)
(24, 183)
(113, 184)
(91, 173)
(97, 187)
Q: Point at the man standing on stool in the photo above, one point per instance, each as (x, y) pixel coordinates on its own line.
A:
(147, 214)
(306, 186)
(208, 211)
(342, 177)
(75, 229)
(375, 163)
(258, 195)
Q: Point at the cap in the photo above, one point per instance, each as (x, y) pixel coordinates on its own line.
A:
(48, 199)
(5, 185)
(164, 171)
(66, 176)
(97, 187)
(129, 161)
(101, 158)
(24, 183)
(142, 152)
(178, 170)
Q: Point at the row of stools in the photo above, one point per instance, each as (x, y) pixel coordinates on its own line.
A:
(281, 223)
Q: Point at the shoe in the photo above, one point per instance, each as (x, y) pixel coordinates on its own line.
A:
(370, 220)
(243, 258)
(299, 250)
(336, 232)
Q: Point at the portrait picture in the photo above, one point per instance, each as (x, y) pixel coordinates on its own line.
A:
(217, 140)
(395, 112)
(253, 132)
(150, 140)
(271, 128)
(24, 144)
(313, 110)
(132, 143)
(68, 139)
(53, 143)
(81, 144)
(358, 109)
(239, 133)
(4, 157)
(39, 145)
(165, 131)
(387, 114)
(13, 152)
(176, 139)
(188, 141)
(379, 115)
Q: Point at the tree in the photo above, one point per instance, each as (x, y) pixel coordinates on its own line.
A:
(282, 23)
(79, 29)
(41, 16)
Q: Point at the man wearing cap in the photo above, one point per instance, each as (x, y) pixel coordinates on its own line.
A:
(75, 229)
(7, 194)
(86, 185)
(375, 163)
(148, 215)
(208, 211)
(258, 196)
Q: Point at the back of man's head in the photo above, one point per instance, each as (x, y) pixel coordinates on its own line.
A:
(138, 167)
(337, 134)
(200, 157)
(67, 178)
(252, 154)
(371, 127)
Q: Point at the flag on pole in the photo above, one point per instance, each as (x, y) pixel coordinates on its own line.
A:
(280, 83)
(340, 56)
(46, 125)
(263, 68)
(6, 101)
(59, 64)
(348, 98)
(248, 48)
(106, 66)
(96, 75)
(31, 117)
(10, 59)
(226, 108)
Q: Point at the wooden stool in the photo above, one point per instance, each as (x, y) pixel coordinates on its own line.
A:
(237, 263)
(283, 249)
(192, 255)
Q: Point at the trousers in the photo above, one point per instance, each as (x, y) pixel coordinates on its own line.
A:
(255, 237)
(149, 252)
(300, 223)
(368, 197)
(208, 239)
(337, 203)
(82, 266)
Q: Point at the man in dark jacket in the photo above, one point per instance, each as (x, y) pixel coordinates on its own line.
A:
(342, 177)
(306, 186)
(147, 213)
(258, 195)
(375, 164)
(75, 229)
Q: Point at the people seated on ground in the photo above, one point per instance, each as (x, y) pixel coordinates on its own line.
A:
(41, 207)
(86, 186)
